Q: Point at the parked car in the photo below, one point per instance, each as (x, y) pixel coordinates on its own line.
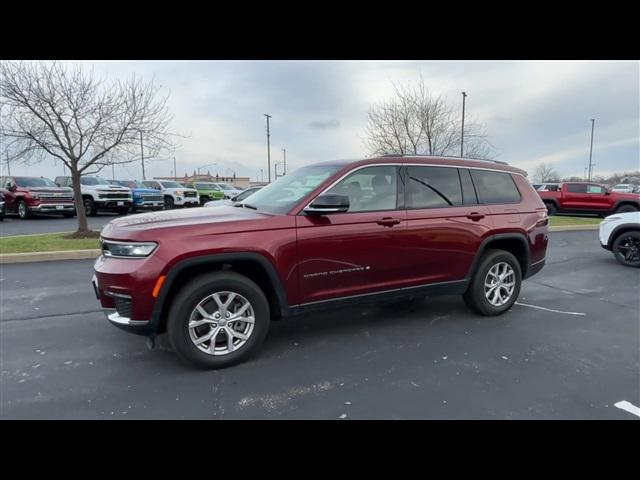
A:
(325, 235)
(2, 206)
(229, 191)
(238, 199)
(624, 188)
(100, 195)
(143, 198)
(30, 195)
(206, 191)
(620, 234)
(577, 197)
(175, 195)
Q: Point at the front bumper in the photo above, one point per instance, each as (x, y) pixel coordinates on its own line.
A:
(149, 204)
(181, 201)
(112, 204)
(53, 207)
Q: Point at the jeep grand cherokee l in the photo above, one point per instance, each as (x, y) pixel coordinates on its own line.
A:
(328, 234)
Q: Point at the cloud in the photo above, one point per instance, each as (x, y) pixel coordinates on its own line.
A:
(324, 125)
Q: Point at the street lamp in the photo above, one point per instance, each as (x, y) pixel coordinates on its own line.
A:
(464, 96)
(207, 165)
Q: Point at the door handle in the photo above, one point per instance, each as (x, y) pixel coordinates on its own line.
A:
(388, 222)
(475, 216)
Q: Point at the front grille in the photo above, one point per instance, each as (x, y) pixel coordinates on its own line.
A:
(123, 306)
(123, 196)
(190, 194)
(151, 197)
(54, 199)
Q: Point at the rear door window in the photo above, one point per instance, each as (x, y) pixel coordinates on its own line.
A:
(495, 187)
(433, 187)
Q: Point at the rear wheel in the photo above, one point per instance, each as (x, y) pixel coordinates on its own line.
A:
(626, 248)
(218, 320)
(89, 207)
(551, 208)
(23, 210)
(495, 285)
(626, 209)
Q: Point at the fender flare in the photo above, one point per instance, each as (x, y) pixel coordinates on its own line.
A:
(625, 201)
(179, 267)
(620, 229)
(500, 236)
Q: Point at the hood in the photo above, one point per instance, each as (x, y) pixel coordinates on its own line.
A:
(146, 190)
(182, 189)
(221, 217)
(107, 187)
(48, 189)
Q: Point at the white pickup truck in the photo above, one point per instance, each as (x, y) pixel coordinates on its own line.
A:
(98, 194)
(175, 195)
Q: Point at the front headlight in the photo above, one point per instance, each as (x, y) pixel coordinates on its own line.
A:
(179, 193)
(35, 195)
(127, 249)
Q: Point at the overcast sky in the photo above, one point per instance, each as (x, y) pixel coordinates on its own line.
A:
(533, 111)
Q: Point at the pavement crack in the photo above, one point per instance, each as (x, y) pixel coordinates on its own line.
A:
(39, 317)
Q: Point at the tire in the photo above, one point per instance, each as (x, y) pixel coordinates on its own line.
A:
(23, 210)
(475, 296)
(626, 208)
(168, 203)
(89, 207)
(204, 200)
(195, 293)
(551, 208)
(122, 211)
(626, 248)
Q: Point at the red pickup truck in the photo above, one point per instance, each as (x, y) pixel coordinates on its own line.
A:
(578, 197)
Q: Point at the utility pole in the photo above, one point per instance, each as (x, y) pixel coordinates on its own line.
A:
(175, 172)
(593, 121)
(142, 155)
(464, 96)
(268, 149)
(284, 154)
(113, 172)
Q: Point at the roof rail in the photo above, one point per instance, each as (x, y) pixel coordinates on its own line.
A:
(442, 156)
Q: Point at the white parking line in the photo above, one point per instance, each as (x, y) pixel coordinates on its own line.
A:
(550, 310)
(628, 407)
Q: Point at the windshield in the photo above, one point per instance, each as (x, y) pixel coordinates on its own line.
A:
(280, 196)
(171, 185)
(226, 186)
(205, 186)
(34, 182)
(93, 181)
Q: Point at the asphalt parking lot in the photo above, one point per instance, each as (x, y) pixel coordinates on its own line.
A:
(569, 350)
(12, 225)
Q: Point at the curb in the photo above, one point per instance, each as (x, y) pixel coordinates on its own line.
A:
(7, 258)
(569, 228)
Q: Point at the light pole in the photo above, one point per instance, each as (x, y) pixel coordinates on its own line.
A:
(142, 155)
(284, 155)
(268, 149)
(593, 121)
(275, 168)
(207, 165)
(175, 171)
(464, 96)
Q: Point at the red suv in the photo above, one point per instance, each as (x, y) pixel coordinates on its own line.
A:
(325, 235)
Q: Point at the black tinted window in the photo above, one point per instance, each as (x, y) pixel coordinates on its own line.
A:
(495, 187)
(577, 188)
(468, 192)
(433, 187)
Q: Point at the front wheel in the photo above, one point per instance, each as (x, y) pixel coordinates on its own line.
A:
(168, 203)
(495, 285)
(89, 207)
(218, 320)
(626, 248)
(23, 210)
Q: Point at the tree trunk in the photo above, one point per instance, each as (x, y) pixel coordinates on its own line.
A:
(83, 226)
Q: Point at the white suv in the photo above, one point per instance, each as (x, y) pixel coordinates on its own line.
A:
(620, 234)
(98, 194)
(175, 195)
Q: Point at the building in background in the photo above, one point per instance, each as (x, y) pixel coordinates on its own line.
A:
(241, 182)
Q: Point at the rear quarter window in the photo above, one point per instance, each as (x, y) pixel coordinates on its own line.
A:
(495, 187)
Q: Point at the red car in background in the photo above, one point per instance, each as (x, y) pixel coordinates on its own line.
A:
(583, 197)
(326, 235)
(29, 195)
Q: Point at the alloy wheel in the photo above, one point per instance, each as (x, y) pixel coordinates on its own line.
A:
(629, 249)
(499, 284)
(221, 323)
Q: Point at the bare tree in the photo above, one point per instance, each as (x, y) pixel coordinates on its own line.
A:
(50, 109)
(545, 173)
(414, 121)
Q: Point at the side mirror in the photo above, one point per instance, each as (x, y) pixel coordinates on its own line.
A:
(607, 192)
(328, 203)
(11, 187)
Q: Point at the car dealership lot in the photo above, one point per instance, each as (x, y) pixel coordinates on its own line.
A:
(430, 358)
